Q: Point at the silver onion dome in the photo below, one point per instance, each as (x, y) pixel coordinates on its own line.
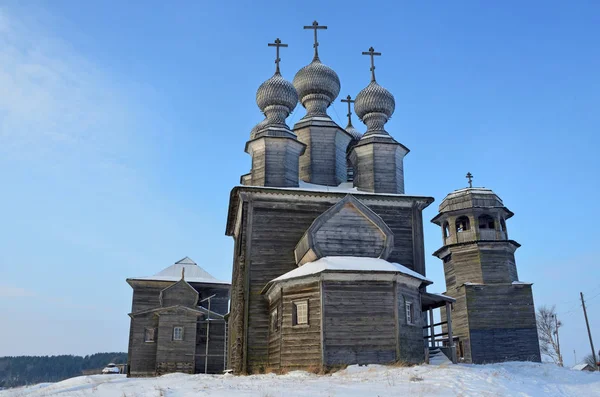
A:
(374, 105)
(276, 91)
(258, 127)
(276, 98)
(374, 99)
(317, 85)
(356, 134)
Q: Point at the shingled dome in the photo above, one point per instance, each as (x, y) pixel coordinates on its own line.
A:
(276, 91)
(317, 85)
(374, 99)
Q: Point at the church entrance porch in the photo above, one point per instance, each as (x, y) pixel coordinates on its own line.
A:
(438, 336)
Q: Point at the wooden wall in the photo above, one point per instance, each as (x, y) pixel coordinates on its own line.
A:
(359, 322)
(411, 345)
(502, 323)
(271, 227)
(301, 345)
(172, 355)
(216, 347)
(141, 359)
(276, 229)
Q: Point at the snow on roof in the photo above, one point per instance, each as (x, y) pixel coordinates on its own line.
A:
(349, 264)
(581, 367)
(193, 273)
(344, 187)
(444, 297)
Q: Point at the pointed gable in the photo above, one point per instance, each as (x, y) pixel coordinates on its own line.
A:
(179, 294)
(349, 228)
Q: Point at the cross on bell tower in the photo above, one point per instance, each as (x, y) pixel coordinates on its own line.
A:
(349, 101)
(372, 54)
(315, 26)
(469, 176)
(277, 43)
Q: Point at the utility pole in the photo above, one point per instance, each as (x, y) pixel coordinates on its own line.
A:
(556, 322)
(587, 323)
(207, 332)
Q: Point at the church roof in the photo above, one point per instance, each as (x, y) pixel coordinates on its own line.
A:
(193, 273)
(348, 264)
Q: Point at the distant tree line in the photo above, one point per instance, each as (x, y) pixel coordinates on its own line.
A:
(28, 370)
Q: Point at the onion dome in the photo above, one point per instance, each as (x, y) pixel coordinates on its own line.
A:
(317, 85)
(356, 134)
(374, 105)
(374, 99)
(276, 98)
(257, 128)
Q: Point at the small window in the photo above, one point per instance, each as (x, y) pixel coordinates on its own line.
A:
(462, 224)
(177, 333)
(446, 229)
(274, 321)
(410, 313)
(300, 315)
(149, 335)
(486, 222)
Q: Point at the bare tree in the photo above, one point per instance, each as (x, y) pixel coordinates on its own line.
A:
(548, 325)
(589, 359)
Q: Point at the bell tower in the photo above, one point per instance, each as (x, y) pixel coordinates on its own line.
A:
(494, 314)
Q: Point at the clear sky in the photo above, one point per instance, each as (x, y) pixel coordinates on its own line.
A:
(123, 124)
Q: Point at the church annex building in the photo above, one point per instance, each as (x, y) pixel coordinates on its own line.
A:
(329, 258)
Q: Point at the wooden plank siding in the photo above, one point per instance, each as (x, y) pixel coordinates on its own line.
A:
(176, 355)
(410, 336)
(301, 345)
(502, 323)
(270, 228)
(359, 322)
(142, 355)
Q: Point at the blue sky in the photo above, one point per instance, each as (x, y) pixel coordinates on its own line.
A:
(123, 124)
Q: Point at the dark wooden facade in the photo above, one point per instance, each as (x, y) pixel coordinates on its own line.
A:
(494, 313)
(267, 225)
(161, 305)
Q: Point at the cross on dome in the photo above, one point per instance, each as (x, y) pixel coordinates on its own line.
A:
(315, 26)
(349, 101)
(469, 176)
(372, 54)
(277, 43)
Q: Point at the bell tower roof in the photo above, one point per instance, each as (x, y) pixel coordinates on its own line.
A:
(471, 197)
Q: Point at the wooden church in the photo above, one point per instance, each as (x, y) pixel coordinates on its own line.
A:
(329, 259)
(177, 322)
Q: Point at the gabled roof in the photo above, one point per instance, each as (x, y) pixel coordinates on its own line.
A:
(193, 273)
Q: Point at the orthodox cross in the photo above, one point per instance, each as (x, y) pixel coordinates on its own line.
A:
(277, 44)
(349, 100)
(315, 26)
(373, 54)
(470, 178)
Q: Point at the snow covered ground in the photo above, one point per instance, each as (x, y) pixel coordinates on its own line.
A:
(507, 379)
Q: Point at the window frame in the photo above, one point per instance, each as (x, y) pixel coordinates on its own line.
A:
(174, 335)
(147, 331)
(409, 312)
(274, 320)
(295, 322)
